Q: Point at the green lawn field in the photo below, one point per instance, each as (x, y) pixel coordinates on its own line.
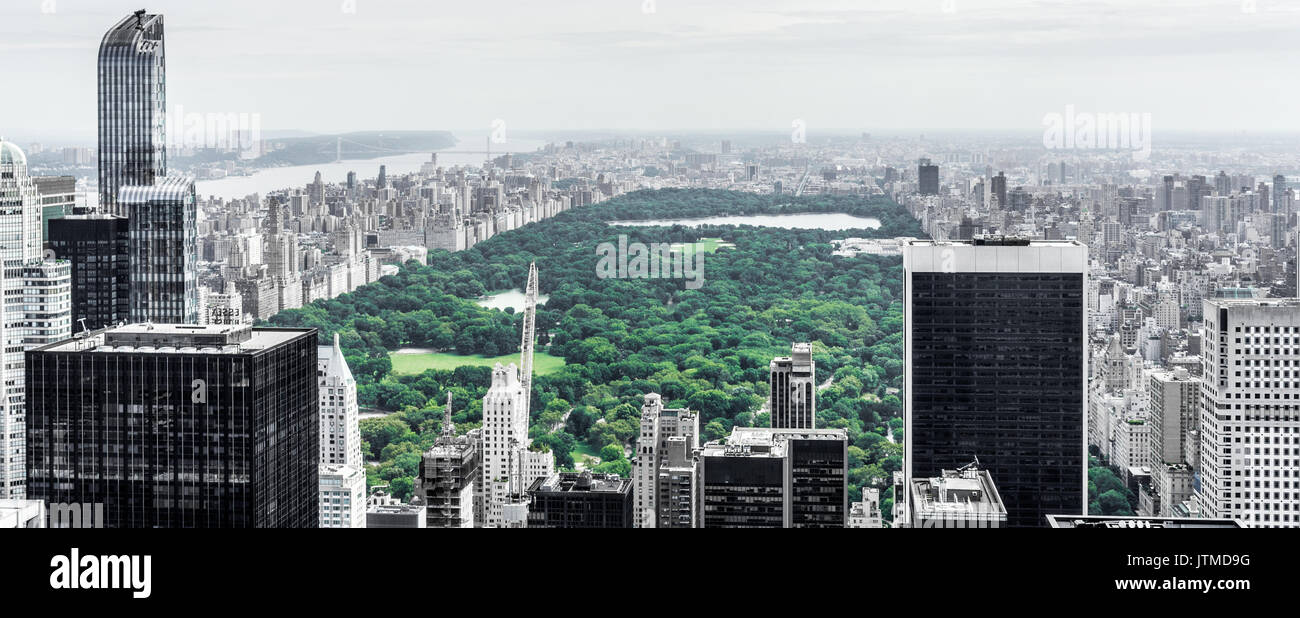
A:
(543, 363)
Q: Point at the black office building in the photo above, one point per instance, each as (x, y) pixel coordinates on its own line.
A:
(762, 477)
(927, 178)
(96, 245)
(581, 500)
(995, 362)
(178, 426)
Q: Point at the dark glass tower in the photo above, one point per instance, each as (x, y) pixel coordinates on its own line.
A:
(132, 107)
(174, 426)
(97, 247)
(995, 361)
(927, 178)
(163, 251)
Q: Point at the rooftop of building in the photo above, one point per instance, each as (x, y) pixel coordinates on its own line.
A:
(178, 339)
(968, 489)
(581, 482)
(766, 441)
(1121, 521)
(995, 240)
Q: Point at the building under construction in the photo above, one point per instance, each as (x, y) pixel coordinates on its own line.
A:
(449, 478)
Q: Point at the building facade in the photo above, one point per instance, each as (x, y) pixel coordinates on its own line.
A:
(342, 496)
(178, 426)
(1250, 412)
(340, 421)
(580, 500)
(163, 250)
(96, 246)
(774, 478)
(132, 107)
(664, 466)
(792, 389)
(35, 307)
(995, 363)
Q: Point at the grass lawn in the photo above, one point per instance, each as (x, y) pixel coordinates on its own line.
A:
(584, 456)
(543, 363)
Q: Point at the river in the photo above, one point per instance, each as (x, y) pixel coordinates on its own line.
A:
(298, 176)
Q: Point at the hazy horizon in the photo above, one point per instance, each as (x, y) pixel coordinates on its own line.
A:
(1197, 66)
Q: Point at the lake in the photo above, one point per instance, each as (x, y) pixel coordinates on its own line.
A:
(804, 221)
(298, 176)
(507, 298)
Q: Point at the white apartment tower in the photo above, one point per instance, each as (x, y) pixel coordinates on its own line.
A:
(1250, 412)
(340, 424)
(35, 308)
(342, 496)
(509, 467)
(663, 469)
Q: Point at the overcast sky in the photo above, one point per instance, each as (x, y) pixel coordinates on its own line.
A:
(672, 64)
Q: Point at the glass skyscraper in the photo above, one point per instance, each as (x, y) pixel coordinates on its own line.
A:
(132, 107)
(178, 426)
(995, 359)
(164, 251)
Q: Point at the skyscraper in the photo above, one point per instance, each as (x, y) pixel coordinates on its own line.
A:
(664, 466)
(178, 426)
(450, 477)
(97, 247)
(340, 440)
(792, 389)
(509, 466)
(927, 176)
(1249, 429)
(994, 368)
(132, 107)
(35, 306)
(999, 189)
(163, 251)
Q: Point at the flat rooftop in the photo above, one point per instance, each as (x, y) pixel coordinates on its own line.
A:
(1120, 521)
(567, 482)
(178, 339)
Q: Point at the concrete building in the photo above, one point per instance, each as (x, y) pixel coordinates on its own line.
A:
(792, 389)
(664, 466)
(342, 496)
(396, 516)
(35, 307)
(22, 514)
(1249, 426)
(866, 512)
(962, 498)
(1173, 408)
(340, 423)
(450, 477)
(1124, 521)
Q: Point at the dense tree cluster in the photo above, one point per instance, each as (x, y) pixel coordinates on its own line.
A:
(706, 349)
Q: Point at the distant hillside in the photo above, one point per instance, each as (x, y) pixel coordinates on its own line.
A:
(359, 145)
